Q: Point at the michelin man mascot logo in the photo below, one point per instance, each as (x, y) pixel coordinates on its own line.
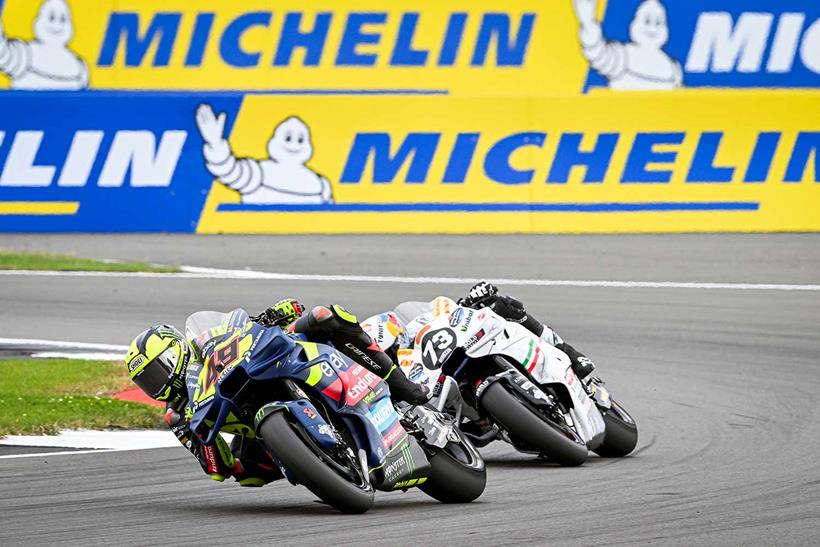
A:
(45, 62)
(284, 178)
(640, 64)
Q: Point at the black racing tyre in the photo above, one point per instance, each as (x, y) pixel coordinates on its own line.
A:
(458, 474)
(310, 470)
(531, 429)
(620, 434)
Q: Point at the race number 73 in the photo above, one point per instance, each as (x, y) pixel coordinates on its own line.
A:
(436, 347)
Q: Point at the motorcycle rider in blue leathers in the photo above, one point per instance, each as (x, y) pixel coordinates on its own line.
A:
(160, 357)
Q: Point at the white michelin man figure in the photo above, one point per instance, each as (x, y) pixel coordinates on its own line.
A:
(639, 64)
(284, 178)
(45, 62)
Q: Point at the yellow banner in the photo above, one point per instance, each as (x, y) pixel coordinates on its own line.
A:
(465, 47)
(422, 116)
(604, 163)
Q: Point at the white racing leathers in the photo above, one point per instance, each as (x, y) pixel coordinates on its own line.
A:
(398, 328)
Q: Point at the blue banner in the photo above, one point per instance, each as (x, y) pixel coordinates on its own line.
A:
(103, 161)
(722, 43)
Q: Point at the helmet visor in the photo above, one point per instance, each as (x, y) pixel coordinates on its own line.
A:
(157, 375)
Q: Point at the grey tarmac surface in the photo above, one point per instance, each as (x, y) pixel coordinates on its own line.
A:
(749, 258)
(723, 383)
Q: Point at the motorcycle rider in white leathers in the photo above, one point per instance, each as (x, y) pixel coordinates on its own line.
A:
(392, 331)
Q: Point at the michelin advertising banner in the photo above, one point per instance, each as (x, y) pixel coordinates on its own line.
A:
(458, 117)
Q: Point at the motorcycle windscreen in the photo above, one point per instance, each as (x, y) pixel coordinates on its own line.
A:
(203, 326)
(407, 311)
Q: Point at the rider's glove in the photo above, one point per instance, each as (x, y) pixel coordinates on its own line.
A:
(481, 294)
(215, 459)
(178, 425)
(402, 389)
(281, 314)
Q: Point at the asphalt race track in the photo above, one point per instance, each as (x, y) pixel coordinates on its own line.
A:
(723, 383)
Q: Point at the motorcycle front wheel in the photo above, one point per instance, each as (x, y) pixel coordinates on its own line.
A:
(530, 428)
(458, 474)
(314, 468)
(620, 433)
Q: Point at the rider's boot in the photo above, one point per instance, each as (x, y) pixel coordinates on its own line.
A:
(257, 467)
(581, 364)
(336, 325)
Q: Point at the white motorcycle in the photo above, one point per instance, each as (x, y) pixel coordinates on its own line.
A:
(504, 381)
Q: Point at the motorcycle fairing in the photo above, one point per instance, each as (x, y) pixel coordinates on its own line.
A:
(482, 333)
(346, 388)
(557, 372)
(306, 414)
(362, 399)
(547, 365)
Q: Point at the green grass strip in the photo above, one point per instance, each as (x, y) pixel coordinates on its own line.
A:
(43, 396)
(42, 261)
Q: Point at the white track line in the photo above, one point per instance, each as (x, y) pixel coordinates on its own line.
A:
(91, 442)
(89, 355)
(191, 272)
(58, 453)
(60, 344)
(94, 442)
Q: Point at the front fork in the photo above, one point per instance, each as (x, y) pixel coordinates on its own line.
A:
(594, 386)
(434, 427)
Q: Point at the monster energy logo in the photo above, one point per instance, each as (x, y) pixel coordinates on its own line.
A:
(405, 451)
(265, 410)
(164, 331)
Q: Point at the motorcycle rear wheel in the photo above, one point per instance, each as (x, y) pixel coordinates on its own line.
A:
(620, 436)
(522, 423)
(309, 468)
(458, 474)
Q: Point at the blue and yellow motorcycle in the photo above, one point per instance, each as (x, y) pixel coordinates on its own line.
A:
(327, 422)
